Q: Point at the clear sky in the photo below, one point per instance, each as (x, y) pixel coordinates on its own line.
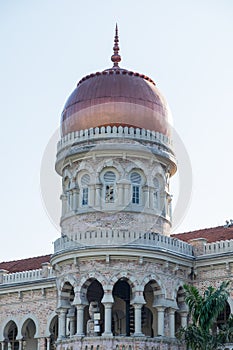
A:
(185, 46)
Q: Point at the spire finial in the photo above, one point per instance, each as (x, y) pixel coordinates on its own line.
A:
(116, 58)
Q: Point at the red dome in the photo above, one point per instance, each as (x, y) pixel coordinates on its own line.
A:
(116, 97)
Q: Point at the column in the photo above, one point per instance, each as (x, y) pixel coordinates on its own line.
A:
(72, 325)
(160, 311)
(70, 200)
(127, 195)
(63, 198)
(80, 313)
(107, 319)
(75, 199)
(172, 322)
(146, 196)
(92, 195)
(183, 316)
(98, 195)
(48, 343)
(151, 197)
(138, 320)
(120, 194)
(62, 323)
(20, 345)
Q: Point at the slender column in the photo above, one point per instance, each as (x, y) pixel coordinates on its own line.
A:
(62, 323)
(70, 200)
(98, 195)
(63, 198)
(127, 198)
(75, 199)
(151, 197)
(120, 194)
(80, 313)
(160, 310)
(146, 196)
(172, 322)
(92, 195)
(183, 316)
(138, 320)
(20, 345)
(38, 344)
(48, 343)
(72, 325)
(107, 319)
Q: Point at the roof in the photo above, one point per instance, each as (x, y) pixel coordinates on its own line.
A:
(25, 264)
(213, 234)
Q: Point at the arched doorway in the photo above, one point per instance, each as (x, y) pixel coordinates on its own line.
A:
(66, 302)
(152, 292)
(28, 332)
(53, 330)
(182, 312)
(94, 311)
(10, 335)
(122, 311)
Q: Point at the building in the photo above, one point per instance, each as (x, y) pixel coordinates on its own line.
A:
(115, 279)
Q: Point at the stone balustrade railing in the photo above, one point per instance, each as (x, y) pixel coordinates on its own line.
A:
(113, 132)
(110, 238)
(218, 247)
(25, 276)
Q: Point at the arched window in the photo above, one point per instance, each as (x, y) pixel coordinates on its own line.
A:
(109, 184)
(136, 180)
(85, 180)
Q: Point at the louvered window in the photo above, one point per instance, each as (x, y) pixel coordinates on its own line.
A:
(85, 180)
(109, 179)
(136, 180)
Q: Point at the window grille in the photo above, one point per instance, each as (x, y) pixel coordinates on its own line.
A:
(109, 179)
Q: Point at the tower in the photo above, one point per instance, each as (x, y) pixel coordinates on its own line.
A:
(115, 157)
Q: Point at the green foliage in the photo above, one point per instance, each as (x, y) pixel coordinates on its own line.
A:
(204, 310)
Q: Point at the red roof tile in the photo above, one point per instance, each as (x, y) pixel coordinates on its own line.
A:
(212, 234)
(25, 264)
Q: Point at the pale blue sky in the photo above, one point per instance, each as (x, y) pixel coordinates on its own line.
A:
(48, 46)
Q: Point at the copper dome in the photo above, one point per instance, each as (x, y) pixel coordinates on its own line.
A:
(116, 97)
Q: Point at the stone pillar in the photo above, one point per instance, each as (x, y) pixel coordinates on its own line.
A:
(171, 322)
(151, 197)
(98, 195)
(72, 326)
(75, 199)
(127, 199)
(120, 190)
(70, 200)
(160, 311)
(138, 320)
(183, 316)
(80, 314)
(146, 196)
(107, 319)
(63, 198)
(48, 343)
(71, 317)
(62, 323)
(91, 200)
